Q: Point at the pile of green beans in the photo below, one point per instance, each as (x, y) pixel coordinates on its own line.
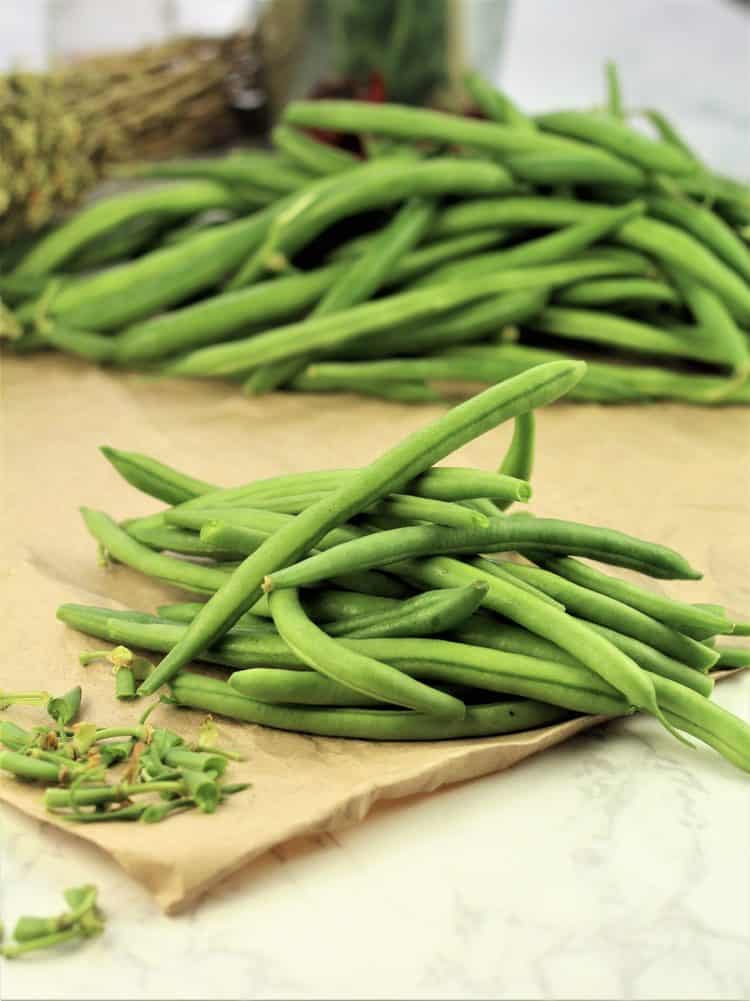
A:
(402, 601)
(452, 250)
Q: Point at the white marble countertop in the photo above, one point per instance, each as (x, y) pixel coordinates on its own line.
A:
(615, 866)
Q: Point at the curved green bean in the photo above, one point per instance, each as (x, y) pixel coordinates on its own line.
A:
(310, 154)
(605, 291)
(616, 137)
(92, 223)
(362, 673)
(501, 534)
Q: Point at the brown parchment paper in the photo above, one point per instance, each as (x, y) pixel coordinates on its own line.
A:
(669, 473)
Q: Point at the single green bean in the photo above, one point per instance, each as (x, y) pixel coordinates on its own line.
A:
(310, 154)
(605, 291)
(257, 168)
(123, 547)
(518, 461)
(617, 137)
(731, 658)
(392, 470)
(423, 615)
(365, 674)
(668, 133)
(494, 104)
(103, 216)
(614, 91)
(500, 535)
(168, 538)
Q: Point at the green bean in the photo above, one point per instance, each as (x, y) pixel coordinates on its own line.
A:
(533, 211)
(614, 91)
(400, 392)
(253, 519)
(668, 133)
(585, 163)
(154, 478)
(130, 291)
(239, 648)
(518, 461)
(657, 662)
(501, 535)
(124, 241)
(82, 344)
(606, 611)
(186, 611)
(364, 674)
(330, 331)
(571, 687)
(705, 226)
(310, 154)
(447, 483)
(469, 323)
(674, 246)
(423, 615)
(731, 658)
(424, 258)
(709, 722)
(625, 333)
(617, 137)
(264, 170)
(494, 104)
(609, 383)
(357, 283)
(496, 570)
(207, 321)
(689, 619)
(278, 686)
(176, 540)
(401, 506)
(543, 250)
(573, 635)
(119, 544)
(604, 291)
(210, 320)
(103, 216)
(31, 768)
(484, 631)
(715, 323)
(368, 186)
(393, 469)
(492, 719)
(236, 541)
